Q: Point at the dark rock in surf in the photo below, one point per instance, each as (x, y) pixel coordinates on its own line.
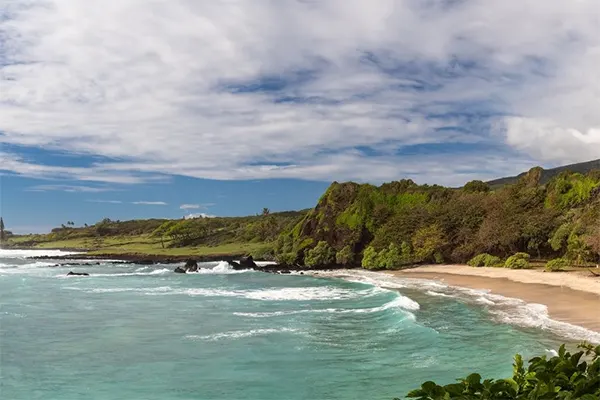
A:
(191, 266)
(71, 273)
(248, 263)
(179, 270)
(235, 265)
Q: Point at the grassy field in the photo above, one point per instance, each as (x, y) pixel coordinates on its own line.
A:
(142, 244)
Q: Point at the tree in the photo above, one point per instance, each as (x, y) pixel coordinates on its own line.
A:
(265, 212)
(476, 187)
(2, 233)
(391, 257)
(345, 256)
(593, 241)
(577, 249)
(321, 255)
(370, 258)
(428, 243)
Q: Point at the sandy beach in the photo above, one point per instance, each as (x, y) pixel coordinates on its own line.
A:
(570, 297)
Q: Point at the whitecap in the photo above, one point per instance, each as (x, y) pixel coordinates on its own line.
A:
(241, 334)
(400, 302)
(15, 253)
(222, 268)
(162, 271)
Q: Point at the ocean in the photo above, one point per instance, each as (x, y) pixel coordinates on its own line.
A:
(143, 332)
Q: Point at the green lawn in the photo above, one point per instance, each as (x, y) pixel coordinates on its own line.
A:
(142, 244)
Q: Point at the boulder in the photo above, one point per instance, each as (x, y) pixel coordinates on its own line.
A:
(71, 273)
(191, 266)
(235, 265)
(248, 263)
(179, 270)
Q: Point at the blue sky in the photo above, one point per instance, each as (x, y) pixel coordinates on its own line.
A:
(130, 109)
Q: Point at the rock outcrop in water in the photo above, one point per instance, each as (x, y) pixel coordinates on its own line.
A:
(247, 263)
(190, 266)
(71, 273)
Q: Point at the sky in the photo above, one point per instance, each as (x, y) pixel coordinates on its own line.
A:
(165, 108)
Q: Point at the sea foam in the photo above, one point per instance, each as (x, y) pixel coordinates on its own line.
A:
(502, 309)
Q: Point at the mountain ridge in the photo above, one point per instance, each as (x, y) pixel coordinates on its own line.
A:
(548, 174)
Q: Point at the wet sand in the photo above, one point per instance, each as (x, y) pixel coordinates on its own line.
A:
(570, 297)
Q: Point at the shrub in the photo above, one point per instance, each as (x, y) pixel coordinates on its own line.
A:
(518, 261)
(557, 264)
(577, 249)
(406, 253)
(485, 260)
(564, 376)
(286, 258)
(390, 258)
(345, 256)
(428, 241)
(370, 258)
(263, 253)
(322, 254)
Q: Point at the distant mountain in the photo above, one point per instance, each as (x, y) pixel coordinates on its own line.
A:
(548, 174)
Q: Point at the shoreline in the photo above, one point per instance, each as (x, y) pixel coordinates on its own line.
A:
(569, 297)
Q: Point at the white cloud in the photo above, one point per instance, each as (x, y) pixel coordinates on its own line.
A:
(69, 188)
(17, 165)
(165, 87)
(199, 215)
(106, 201)
(149, 203)
(190, 206)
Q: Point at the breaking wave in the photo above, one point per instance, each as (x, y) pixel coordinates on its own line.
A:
(502, 309)
(241, 334)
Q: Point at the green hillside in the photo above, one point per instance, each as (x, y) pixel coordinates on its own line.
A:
(401, 223)
(200, 236)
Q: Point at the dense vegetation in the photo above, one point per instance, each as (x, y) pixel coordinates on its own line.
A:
(390, 226)
(566, 376)
(402, 223)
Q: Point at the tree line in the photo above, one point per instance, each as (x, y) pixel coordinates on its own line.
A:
(402, 223)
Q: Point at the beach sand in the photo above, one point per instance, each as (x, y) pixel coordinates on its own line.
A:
(570, 297)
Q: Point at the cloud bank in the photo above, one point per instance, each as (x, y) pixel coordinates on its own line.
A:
(342, 89)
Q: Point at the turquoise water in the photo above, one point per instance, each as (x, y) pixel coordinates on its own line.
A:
(143, 332)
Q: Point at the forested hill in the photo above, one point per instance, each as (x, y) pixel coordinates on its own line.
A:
(547, 174)
(401, 223)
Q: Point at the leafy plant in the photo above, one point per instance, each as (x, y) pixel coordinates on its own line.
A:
(564, 376)
(518, 261)
(345, 256)
(321, 255)
(485, 260)
(558, 264)
(577, 249)
(428, 243)
(370, 258)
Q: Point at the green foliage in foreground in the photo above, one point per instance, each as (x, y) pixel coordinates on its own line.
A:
(564, 377)
(485, 260)
(518, 261)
